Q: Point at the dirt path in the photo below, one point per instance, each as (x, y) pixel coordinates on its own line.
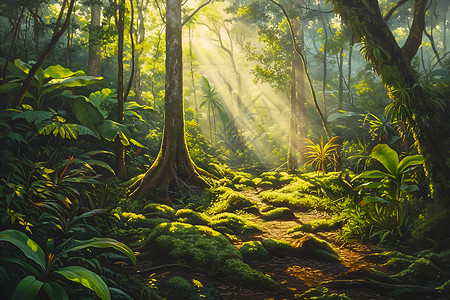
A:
(296, 275)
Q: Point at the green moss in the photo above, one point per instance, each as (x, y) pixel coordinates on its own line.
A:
(237, 271)
(178, 288)
(254, 250)
(312, 247)
(277, 247)
(421, 269)
(294, 199)
(316, 226)
(397, 264)
(226, 182)
(198, 246)
(204, 250)
(230, 201)
(156, 209)
(191, 217)
(264, 184)
(234, 223)
(281, 213)
(323, 294)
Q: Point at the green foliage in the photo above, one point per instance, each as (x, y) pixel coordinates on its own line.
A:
(319, 155)
(192, 217)
(41, 266)
(386, 217)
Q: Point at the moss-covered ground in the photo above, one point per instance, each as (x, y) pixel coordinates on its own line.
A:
(271, 237)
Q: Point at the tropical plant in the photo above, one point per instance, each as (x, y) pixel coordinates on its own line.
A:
(385, 215)
(393, 183)
(212, 103)
(319, 155)
(45, 270)
(46, 84)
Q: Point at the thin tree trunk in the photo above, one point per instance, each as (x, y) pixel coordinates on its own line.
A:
(121, 170)
(292, 163)
(95, 57)
(16, 30)
(191, 58)
(55, 38)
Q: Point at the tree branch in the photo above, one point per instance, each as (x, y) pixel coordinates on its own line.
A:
(414, 39)
(392, 10)
(324, 124)
(195, 11)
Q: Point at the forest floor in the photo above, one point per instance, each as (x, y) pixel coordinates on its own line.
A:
(295, 275)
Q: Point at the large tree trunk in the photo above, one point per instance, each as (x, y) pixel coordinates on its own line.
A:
(173, 162)
(95, 57)
(428, 122)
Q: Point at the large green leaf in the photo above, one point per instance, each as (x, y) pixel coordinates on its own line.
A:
(87, 278)
(373, 174)
(110, 129)
(408, 161)
(37, 116)
(372, 199)
(100, 243)
(55, 291)
(388, 157)
(28, 288)
(59, 71)
(69, 82)
(25, 244)
(86, 113)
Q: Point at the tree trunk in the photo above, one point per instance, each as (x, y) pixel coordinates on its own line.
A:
(429, 123)
(292, 163)
(95, 57)
(53, 41)
(173, 162)
(121, 170)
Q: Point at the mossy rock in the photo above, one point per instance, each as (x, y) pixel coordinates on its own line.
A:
(316, 226)
(230, 201)
(239, 272)
(420, 270)
(235, 223)
(189, 216)
(177, 288)
(246, 182)
(254, 250)
(226, 182)
(277, 247)
(397, 264)
(281, 213)
(161, 210)
(204, 250)
(295, 200)
(309, 246)
(323, 294)
(264, 184)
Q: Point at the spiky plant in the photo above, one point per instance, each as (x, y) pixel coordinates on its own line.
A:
(319, 155)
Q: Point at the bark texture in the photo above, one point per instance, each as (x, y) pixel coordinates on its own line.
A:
(173, 163)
